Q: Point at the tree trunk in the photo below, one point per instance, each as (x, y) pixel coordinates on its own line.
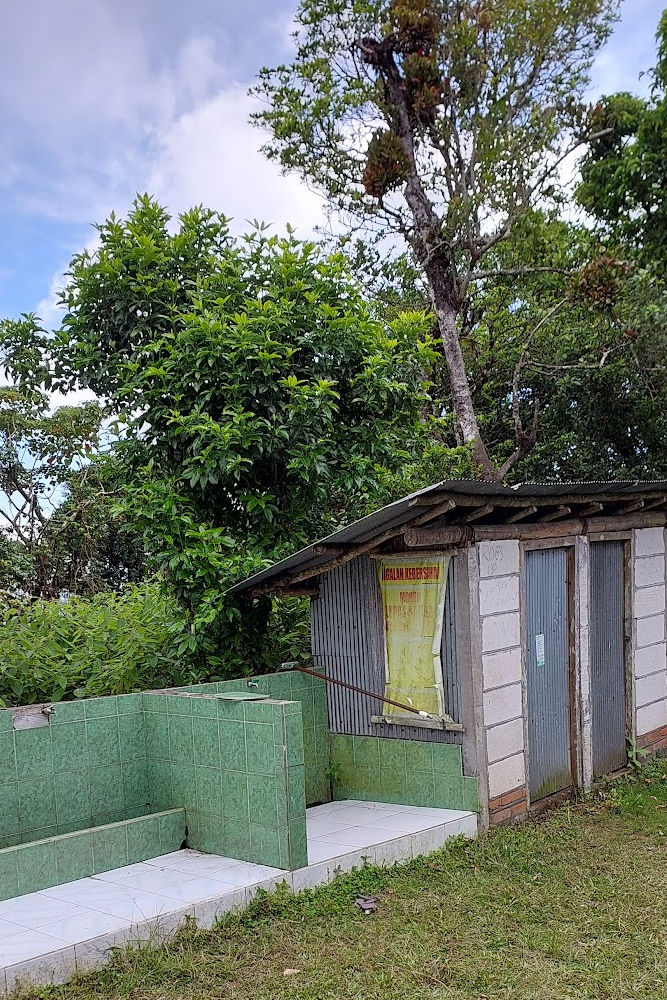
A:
(464, 411)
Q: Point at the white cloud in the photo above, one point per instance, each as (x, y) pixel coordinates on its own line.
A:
(211, 155)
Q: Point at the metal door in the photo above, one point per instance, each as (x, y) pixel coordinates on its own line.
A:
(607, 638)
(548, 672)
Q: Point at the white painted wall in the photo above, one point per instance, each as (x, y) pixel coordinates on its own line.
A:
(649, 630)
(501, 664)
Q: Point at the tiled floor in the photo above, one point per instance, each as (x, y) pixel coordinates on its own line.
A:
(46, 936)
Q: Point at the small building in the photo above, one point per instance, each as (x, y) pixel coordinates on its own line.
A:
(525, 624)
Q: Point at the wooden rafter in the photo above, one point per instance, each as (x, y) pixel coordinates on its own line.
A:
(438, 511)
(556, 514)
(474, 515)
(631, 507)
(519, 515)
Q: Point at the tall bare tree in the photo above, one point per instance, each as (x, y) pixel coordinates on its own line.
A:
(443, 122)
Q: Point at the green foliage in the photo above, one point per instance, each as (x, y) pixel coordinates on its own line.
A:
(258, 398)
(624, 174)
(108, 644)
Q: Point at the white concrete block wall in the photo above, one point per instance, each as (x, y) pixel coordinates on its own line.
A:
(500, 621)
(650, 630)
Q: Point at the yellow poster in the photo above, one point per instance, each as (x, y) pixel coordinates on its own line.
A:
(413, 602)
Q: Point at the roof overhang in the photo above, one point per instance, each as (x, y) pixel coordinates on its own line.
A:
(456, 512)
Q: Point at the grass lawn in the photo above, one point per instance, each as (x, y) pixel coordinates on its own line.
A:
(572, 906)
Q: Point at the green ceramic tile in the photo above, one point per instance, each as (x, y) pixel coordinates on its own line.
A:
(261, 711)
(136, 796)
(106, 791)
(209, 790)
(110, 847)
(181, 744)
(159, 784)
(392, 754)
(156, 728)
(37, 805)
(447, 758)
(72, 799)
(206, 742)
(448, 791)
(342, 754)
(129, 704)
(204, 708)
(34, 756)
(154, 703)
(230, 710)
(9, 879)
(419, 756)
(66, 712)
(259, 748)
(180, 705)
(262, 800)
(8, 759)
(421, 788)
(294, 735)
(10, 822)
(6, 720)
(131, 732)
(74, 857)
(183, 788)
(102, 741)
(235, 796)
(366, 751)
(96, 708)
(143, 839)
(207, 833)
(237, 838)
(469, 794)
(265, 843)
(172, 830)
(36, 866)
(232, 744)
(296, 790)
(68, 743)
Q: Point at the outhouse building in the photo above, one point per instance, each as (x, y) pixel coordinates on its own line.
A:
(525, 624)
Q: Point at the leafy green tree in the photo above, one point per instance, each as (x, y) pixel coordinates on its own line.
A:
(624, 174)
(442, 122)
(258, 396)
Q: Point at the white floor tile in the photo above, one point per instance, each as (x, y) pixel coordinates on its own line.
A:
(318, 827)
(86, 924)
(34, 910)
(7, 929)
(28, 944)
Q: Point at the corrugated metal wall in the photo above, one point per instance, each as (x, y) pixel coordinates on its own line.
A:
(547, 672)
(607, 624)
(348, 643)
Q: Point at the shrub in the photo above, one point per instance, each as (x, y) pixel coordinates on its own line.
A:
(112, 643)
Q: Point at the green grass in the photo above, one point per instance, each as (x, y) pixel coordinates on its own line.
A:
(572, 906)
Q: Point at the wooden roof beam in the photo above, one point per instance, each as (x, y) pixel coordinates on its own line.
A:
(589, 509)
(475, 515)
(555, 515)
(438, 511)
(630, 508)
(519, 515)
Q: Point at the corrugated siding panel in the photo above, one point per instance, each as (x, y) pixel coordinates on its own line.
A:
(547, 684)
(607, 618)
(348, 643)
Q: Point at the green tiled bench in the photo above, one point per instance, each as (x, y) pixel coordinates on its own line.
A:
(42, 864)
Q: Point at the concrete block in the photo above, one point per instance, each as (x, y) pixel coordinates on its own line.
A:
(498, 558)
(651, 717)
(506, 775)
(504, 740)
(502, 704)
(649, 541)
(501, 631)
(649, 571)
(651, 688)
(650, 630)
(501, 668)
(650, 659)
(498, 594)
(649, 601)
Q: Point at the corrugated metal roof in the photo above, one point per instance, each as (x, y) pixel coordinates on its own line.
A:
(410, 507)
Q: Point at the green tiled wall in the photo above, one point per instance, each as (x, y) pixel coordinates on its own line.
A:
(402, 771)
(49, 862)
(238, 769)
(87, 767)
(310, 692)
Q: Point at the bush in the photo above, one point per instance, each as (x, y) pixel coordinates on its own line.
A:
(112, 643)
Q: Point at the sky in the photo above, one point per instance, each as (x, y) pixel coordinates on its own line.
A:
(100, 99)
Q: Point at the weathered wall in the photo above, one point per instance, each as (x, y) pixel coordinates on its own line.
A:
(649, 634)
(500, 626)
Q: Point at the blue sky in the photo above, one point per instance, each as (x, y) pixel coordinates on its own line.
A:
(101, 98)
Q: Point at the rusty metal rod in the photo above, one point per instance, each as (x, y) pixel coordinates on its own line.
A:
(292, 665)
